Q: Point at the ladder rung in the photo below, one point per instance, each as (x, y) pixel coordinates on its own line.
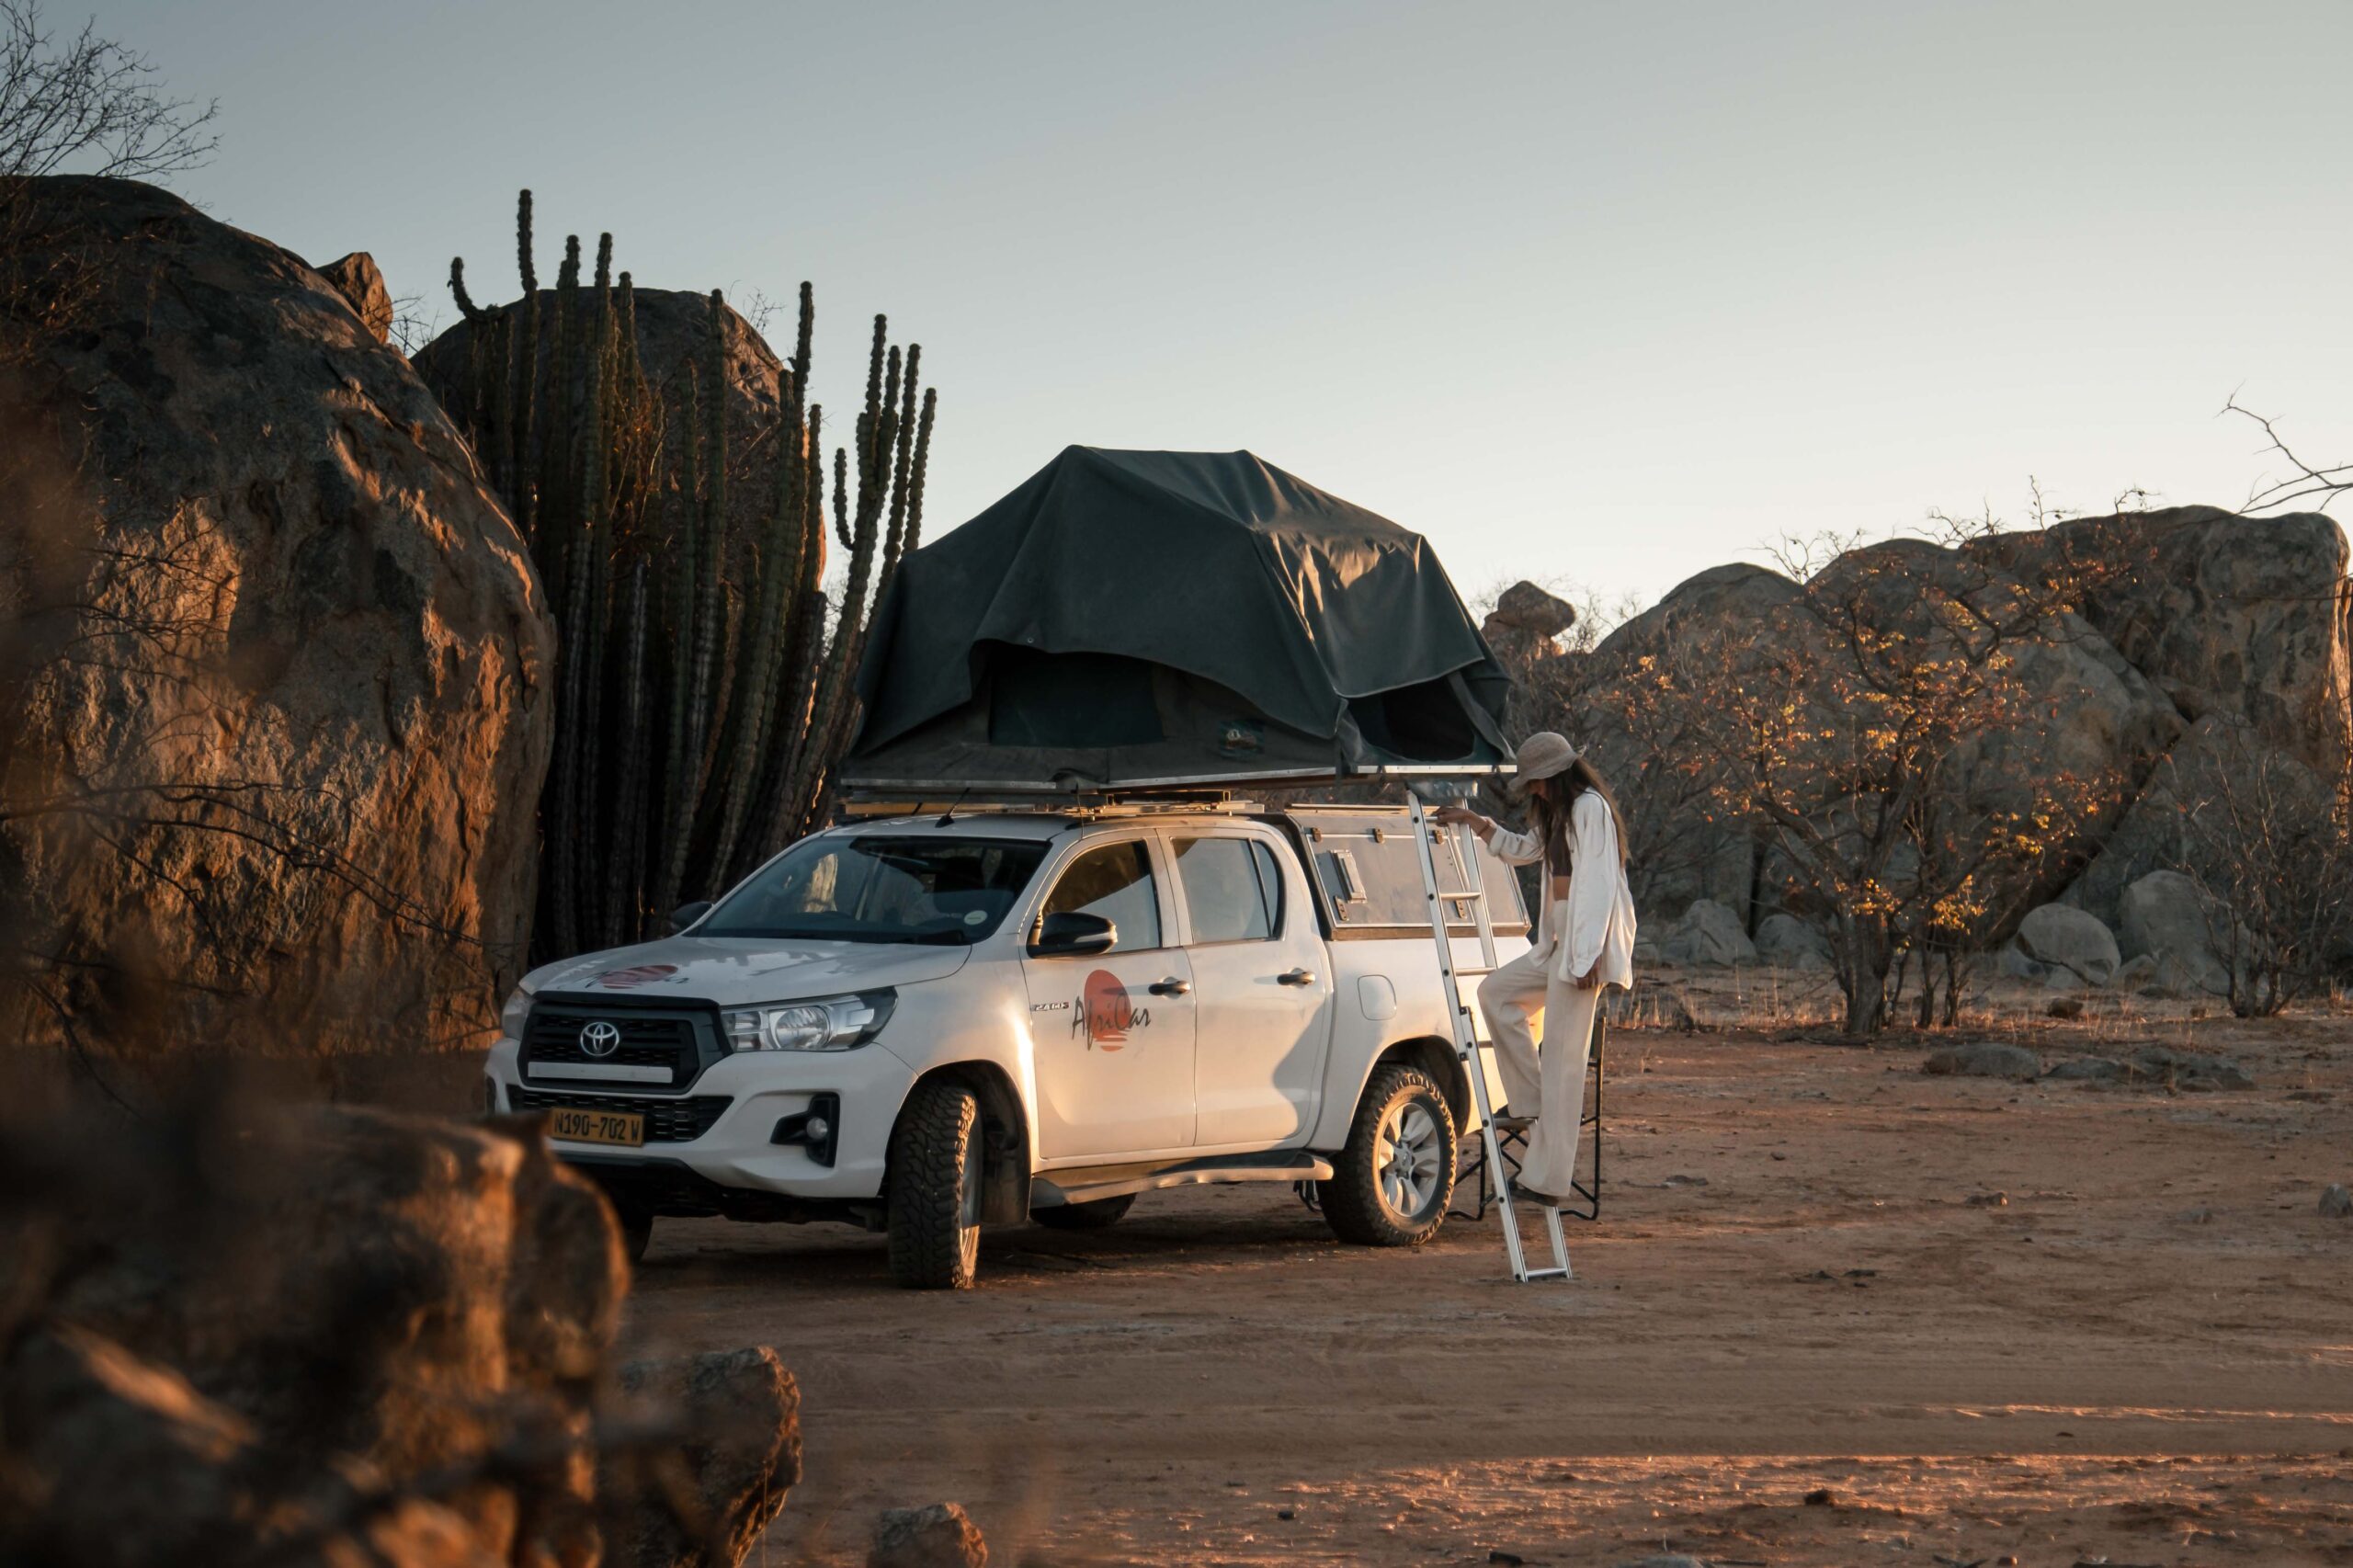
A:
(1548, 1274)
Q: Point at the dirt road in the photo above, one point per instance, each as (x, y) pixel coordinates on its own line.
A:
(2143, 1353)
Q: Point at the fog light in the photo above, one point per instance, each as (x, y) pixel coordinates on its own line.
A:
(816, 1129)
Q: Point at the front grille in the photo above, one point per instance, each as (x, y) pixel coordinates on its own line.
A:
(666, 1121)
(664, 1041)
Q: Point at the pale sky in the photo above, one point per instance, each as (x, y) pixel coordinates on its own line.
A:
(1605, 293)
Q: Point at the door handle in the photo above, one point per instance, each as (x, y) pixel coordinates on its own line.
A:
(1296, 977)
(1171, 987)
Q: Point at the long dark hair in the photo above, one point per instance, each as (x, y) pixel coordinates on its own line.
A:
(1559, 797)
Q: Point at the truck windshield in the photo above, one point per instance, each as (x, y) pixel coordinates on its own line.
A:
(870, 888)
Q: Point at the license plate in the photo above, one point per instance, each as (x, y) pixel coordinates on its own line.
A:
(574, 1125)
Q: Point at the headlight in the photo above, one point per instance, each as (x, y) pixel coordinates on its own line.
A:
(511, 1016)
(835, 1023)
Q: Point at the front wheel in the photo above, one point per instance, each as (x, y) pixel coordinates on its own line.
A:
(1391, 1184)
(933, 1211)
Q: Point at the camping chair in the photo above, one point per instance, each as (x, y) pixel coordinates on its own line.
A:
(1473, 1171)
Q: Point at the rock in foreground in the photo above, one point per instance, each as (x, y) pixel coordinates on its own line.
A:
(284, 658)
(340, 1337)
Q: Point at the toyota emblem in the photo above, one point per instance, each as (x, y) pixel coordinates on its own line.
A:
(599, 1039)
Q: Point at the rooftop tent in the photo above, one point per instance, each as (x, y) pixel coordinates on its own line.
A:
(1140, 619)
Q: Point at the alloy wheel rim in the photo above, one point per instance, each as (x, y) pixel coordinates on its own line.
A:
(1408, 1159)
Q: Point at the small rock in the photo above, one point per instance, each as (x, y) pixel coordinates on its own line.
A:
(1989, 1200)
(1508, 1559)
(2070, 941)
(1665, 1559)
(1685, 1181)
(1286, 1513)
(2090, 1068)
(2199, 1216)
(941, 1536)
(1984, 1059)
(2336, 1201)
(2311, 1096)
(2181, 1066)
(1820, 1497)
(2064, 1007)
(357, 278)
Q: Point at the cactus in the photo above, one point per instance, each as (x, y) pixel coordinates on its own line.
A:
(703, 687)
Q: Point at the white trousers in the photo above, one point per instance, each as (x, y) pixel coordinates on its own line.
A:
(1548, 1085)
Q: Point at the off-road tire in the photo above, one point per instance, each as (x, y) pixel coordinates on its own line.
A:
(934, 1178)
(1355, 1203)
(1100, 1214)
(637, 1231)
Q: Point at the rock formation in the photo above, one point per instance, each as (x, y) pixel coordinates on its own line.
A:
(276, 714)
(327, 1337)
(355, 278)
(2209, 638)
(673, 338)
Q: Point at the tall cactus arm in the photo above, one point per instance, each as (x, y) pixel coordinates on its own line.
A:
(466, 307)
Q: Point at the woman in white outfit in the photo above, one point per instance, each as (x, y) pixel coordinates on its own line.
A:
(1584, 940)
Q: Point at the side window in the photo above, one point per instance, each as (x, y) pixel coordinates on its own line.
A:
(1114, 881)
(1225, 891)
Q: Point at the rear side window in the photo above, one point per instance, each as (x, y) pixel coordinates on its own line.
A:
(1230, 889)
(1114, 881)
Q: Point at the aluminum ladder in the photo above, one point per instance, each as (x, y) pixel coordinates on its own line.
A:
(1466, 1034)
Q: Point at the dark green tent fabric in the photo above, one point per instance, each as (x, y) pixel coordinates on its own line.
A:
(1129, 617)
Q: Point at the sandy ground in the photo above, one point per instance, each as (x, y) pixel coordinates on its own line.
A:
(2143, 1353)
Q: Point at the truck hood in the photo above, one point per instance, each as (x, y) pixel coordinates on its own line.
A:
(738, 971)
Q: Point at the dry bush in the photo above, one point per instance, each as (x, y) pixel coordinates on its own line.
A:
(2270, 845)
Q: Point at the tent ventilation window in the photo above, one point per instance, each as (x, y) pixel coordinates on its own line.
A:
(1084, 700)
(1424, 723)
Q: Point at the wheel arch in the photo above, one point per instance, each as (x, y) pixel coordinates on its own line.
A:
(1434, 1056)
(1006, 1155)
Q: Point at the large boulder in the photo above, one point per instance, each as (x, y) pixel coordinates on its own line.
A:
(673, 333)
(1792, 943)
(1623, 703)
(2061, 938)
(2167, 917)
(1708, 934)
(279, 666)
(2081, 711)
(330, 1335)
(2245, 617)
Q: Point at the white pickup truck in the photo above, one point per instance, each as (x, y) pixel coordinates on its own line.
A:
(925, 1024)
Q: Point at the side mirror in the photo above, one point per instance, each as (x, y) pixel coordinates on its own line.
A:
(687, 915)
(1071, 932)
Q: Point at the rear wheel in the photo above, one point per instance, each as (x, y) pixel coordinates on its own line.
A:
(1099, 1214)
(1391, 1184)
(935, 1203)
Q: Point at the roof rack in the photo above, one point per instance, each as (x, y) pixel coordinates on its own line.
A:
(871, 804)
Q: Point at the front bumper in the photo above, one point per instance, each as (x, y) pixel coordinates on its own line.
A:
(732, 1147)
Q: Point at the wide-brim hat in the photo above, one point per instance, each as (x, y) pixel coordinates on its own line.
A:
(1547, 753)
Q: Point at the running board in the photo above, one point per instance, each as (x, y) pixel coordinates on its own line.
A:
(1085, 1184)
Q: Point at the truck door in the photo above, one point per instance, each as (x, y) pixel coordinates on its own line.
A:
(1263, 984)
(1112, 1032)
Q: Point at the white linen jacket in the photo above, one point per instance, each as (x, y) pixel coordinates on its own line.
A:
(1594, 924)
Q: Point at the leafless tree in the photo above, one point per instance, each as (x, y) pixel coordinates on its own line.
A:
(88, 105)
(1857, 746)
